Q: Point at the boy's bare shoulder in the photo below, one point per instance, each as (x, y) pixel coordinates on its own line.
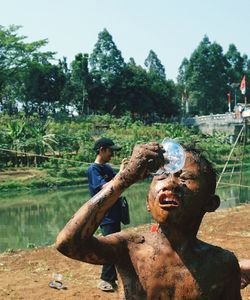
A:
(139, 237)
(218, 255)
(131, 237)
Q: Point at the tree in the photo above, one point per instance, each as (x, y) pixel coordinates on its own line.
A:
(235, 70)
(246, 72)
(181, 91)
(106, 60)
(133, 91)
(66, 93)
(42, 87)
(15, 57)
(107, 65)
(182, 71)
(235, 64)
(154, 65)
(206, 79)
(163, 95)
(144, 94)
(80, 82)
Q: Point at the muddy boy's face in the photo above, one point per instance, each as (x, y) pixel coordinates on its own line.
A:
(181, 197)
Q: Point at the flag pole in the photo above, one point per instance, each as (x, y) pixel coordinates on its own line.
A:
(229, 101)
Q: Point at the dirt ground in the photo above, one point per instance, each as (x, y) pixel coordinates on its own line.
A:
(26, 274)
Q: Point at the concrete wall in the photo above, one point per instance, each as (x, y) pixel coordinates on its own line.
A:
(227, 123)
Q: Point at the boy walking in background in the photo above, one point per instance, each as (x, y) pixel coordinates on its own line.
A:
(99, 174)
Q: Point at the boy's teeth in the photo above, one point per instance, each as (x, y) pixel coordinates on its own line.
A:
(166, 201)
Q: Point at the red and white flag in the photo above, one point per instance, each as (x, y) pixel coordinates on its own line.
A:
(243, 85)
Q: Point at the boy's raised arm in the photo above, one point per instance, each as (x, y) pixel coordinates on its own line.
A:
(76, 239)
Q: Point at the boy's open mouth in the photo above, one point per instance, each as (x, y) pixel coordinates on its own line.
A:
(168, 200)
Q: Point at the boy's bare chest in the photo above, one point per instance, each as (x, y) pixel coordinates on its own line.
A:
(171, 280)
(164, 274)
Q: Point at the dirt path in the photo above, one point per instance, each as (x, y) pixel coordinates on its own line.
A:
(26, 274)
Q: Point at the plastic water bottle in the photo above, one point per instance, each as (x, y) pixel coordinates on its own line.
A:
(57, 276)
(174, 157)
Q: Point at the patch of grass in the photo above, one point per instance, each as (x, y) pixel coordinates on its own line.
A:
(44, 180)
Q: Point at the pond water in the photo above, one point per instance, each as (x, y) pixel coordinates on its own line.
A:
(35, 218)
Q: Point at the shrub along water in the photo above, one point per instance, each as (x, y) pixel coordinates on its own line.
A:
(62, 149)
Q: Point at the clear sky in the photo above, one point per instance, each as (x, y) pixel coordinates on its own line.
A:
(171, 28)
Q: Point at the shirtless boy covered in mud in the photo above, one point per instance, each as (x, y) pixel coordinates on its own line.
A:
(171, 263)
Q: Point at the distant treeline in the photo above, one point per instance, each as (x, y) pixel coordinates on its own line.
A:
(32, 81)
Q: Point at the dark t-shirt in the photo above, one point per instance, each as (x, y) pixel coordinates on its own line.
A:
(98, 175)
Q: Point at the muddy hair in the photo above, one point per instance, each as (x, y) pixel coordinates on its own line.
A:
(206, 166)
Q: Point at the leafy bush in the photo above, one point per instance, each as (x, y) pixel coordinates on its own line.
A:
(70, 156)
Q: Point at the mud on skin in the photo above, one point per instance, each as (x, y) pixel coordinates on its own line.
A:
(150, 264)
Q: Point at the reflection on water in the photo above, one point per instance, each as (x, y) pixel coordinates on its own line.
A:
(231, 193)
(35, 218)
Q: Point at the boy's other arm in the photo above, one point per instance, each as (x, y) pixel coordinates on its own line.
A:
(232, 287)
(245, 272)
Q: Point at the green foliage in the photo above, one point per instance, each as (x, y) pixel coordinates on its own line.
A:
(112, 98)
(67, 164)
(31, 246)
(106, 60)
(235, 65)
(101, 82)
(10, 250)
(43, 83)
(6, 186)
(15, 59)
(79, 84)
(209, 75)
(154, 65)
(206, 78)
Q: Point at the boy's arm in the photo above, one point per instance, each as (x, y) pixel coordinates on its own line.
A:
(76, 240)
(245, 272)
(232, 288)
